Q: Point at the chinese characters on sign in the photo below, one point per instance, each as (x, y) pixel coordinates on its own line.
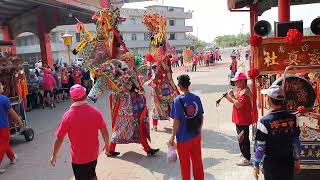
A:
(315, 57)
(269, 61)
(298, 91)
(274, 55)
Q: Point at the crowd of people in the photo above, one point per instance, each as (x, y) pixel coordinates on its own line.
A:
(199, 58)
(50, 85)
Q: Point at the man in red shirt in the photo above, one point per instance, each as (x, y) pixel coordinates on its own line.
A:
(48, 85)
(241, 114)
(82, 123)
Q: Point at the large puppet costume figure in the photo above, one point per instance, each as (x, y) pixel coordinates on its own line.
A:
(117, 72)
(164, 89)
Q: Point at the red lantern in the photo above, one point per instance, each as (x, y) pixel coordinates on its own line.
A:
(149, 58)
(255, 40)
(302, 109)
(294, 37)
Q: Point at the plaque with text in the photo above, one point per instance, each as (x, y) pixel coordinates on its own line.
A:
(274, 54)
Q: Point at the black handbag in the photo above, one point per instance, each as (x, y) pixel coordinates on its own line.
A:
(193, 123)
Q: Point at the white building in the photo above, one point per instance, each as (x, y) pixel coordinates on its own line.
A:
(134, 32)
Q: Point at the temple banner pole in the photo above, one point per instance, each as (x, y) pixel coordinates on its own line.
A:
(284, 10)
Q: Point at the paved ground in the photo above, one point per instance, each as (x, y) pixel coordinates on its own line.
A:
(219, 144)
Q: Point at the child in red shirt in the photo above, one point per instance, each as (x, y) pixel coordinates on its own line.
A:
(77, 76)
(195, 61)
(64, 82)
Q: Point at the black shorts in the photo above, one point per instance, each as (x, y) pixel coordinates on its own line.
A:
(57, 91)
(65, 86)
(48, 92)
(85, 171)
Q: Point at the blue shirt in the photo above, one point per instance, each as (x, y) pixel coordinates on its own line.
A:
(193, 107)
(5, 105)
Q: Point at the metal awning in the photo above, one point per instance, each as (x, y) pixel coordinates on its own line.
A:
(264, 5)
(22, 15)
(12, 8)
(9, 9)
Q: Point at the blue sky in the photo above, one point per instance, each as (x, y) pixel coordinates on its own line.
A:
(213, 18)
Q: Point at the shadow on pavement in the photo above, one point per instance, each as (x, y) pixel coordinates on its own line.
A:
(170, 171)
(308, 174)
(166, 130)
(17, 140)
(199, 71)
(206, 88)
(215, 140)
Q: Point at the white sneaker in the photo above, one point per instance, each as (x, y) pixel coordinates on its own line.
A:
(244, 162)
(155, 128)
(2, 171)
(14, 160)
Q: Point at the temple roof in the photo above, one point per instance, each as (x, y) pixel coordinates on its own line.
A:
(264, 5)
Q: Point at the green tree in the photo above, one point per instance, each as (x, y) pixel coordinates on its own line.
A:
(232, 40)
(197, 44)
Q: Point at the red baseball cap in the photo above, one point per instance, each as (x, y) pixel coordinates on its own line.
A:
(239, 76)
(77, 92)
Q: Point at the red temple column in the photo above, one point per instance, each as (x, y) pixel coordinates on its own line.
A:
(6, 34)
(253, 21)
(284, 10)
(44, 38)
(7, 37)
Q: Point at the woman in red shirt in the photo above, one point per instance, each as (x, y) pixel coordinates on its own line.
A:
(48, 85)
(241, 99)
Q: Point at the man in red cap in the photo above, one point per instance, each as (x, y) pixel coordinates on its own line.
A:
(241, 99)
(82, 123)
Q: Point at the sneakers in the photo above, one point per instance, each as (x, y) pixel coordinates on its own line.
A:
(155, 128)
(152, 152)
(244, 162)
(14, 160)
(113, 154)
(2, 171)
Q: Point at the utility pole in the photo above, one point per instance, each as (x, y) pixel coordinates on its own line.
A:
(197, 32)
(242, 25)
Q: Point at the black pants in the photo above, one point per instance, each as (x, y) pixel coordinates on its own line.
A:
(207, 63)
(244, 141)
(194, 66)
(85, 171)
(32, 99)
(277, 171)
